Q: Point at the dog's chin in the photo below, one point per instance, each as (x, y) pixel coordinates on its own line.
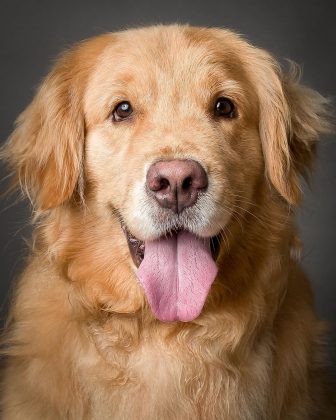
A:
(137, 246)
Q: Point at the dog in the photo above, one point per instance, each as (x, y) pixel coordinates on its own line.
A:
(164, 166)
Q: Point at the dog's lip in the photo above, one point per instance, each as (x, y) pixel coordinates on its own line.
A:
(137, 246)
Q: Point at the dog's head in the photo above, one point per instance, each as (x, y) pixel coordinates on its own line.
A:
(172, 129)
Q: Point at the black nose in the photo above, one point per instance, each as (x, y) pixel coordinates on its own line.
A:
(176, 183)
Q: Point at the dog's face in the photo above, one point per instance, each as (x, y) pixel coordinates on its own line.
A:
(172, 130)
(190, 113)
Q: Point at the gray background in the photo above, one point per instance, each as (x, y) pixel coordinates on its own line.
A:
(33, 32)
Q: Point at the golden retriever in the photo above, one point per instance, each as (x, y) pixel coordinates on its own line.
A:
(164, 167)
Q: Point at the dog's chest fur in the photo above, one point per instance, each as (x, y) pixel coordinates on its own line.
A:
(182, 376)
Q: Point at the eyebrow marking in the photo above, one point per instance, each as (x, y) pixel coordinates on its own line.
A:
(232, 89)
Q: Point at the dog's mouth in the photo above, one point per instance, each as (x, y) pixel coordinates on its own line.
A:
(137, 247)
(176, 272)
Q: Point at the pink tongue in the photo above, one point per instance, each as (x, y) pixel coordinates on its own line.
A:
(177, 273)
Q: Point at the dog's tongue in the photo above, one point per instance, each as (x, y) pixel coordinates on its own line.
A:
(176, 274)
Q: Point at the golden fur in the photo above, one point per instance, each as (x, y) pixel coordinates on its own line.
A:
(82, 342)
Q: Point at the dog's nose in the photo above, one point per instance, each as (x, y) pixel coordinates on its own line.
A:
(176, 183)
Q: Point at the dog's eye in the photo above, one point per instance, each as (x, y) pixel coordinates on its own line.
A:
(121, 111)
(224, 108)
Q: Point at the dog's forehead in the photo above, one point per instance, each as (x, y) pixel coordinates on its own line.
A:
(172, 50)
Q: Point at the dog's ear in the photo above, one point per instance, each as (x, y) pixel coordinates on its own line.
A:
(291, 118)
(45, 149)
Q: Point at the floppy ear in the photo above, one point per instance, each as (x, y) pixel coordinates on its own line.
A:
(291, 118)
(45, 149)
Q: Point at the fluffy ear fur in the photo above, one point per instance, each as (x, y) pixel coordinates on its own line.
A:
(291, 118)
(45, 149)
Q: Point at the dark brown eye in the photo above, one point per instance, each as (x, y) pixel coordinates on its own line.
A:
(224, 108)
(122, 111)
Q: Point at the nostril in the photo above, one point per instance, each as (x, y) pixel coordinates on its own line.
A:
(157, 183)
(187, 182)
(164, 183)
